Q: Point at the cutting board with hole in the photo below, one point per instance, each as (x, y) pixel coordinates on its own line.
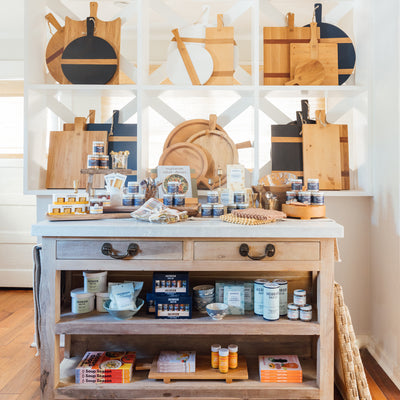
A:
(325, 53)
(321, 153)
(277, 42)
(68, 151)
(54, 49)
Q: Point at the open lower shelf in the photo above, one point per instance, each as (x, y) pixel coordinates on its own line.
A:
(201, 324)
(142, 387)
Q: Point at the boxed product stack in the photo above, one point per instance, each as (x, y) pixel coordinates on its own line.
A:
(105, 367)
(69, 203)
(280, 369)
(170, 297)
(176, 361)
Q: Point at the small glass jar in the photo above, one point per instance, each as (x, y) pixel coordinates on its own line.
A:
(297, 184)
(119, 160)
(138, 199)
(93, 161)
(230, 208)
(304, 197)
(223, 360)
(215, 355)
(317, 198)
(218, 210)
(312, 184)
(98, 148)
(242, 206)
(233, 356)
(306, 313)
(291, 197)
(133, 187)
(293, 312)
(103, 162)
(206, 210)
(127, 199)
(212, 197)
(179, 200)
(95, 206)
(168, 199)
(299, 297)
(239, 197)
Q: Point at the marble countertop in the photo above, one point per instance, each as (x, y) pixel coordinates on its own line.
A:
(197, 227)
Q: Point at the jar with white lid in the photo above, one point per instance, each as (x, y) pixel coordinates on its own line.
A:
(101, 298)
(306, 312)
(299, 297)
(293, 312)
(95, 282)
(312, 184)
(81, 301)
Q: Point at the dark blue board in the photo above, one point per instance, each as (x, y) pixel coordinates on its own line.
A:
(123, 137)
(346, 51)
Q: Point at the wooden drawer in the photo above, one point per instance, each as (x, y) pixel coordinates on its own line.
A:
(91, 249)
(284, 251)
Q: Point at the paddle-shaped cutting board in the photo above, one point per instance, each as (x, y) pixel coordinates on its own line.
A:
(68, 151)
(325, 53)
(321, 153)
(54, 49)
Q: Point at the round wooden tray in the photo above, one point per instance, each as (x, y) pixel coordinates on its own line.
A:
(303, 212)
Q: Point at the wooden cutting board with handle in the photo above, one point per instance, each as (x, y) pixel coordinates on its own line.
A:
(321, 153)
(54, 49)
(68, 151)
(277, 42)
(325, 53)
(109, 31)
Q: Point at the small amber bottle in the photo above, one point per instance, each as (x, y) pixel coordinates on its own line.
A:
(223, 360)
(215, 355)
(233, 356)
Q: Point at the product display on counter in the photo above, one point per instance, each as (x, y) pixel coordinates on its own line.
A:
(280, 369)
(173, 307)
(105, 367)
(170, 283)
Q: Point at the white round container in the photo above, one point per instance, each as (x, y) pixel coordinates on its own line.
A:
(283, 288)
(95, 282)
(299, 297)
(101, 298)
(259, 296)
(271, 301)
(82, 302)
(306, 312)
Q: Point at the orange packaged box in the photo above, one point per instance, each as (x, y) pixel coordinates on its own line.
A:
(280, 368)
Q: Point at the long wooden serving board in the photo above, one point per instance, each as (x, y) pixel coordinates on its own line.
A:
(86, 217)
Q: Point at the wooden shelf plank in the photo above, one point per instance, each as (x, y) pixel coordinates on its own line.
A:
(201, 324)
(142, 387)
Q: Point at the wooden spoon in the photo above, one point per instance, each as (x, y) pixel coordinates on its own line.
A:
(310, 72)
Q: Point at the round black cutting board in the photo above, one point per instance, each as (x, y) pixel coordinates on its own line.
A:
(346, 51)
(90, 47)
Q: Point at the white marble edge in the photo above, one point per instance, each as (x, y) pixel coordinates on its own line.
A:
(210, 228)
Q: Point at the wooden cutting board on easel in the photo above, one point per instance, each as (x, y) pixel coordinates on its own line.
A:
(325, 53)
(321, 153)
(68, 151)
(277, 42)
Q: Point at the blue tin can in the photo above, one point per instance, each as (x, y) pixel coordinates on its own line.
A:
(168, 199)
(179, 200)
(317, 198)
(206, 210)
(312, 184)
(138, 199)
(212, 197)
(297, 184)
(218, 210)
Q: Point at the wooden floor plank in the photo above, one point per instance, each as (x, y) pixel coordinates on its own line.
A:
(376, 393)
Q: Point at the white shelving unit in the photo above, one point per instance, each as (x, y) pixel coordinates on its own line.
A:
(245, 110)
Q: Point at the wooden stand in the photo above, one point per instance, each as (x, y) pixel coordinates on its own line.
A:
(203, 371)
(303, 212)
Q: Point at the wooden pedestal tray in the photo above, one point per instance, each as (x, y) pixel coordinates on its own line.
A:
(86, 217)
(203, 371)
(303, 212)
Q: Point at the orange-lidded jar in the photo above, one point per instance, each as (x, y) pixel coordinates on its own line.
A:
(215, 355)
(233, 356)
(223, 360)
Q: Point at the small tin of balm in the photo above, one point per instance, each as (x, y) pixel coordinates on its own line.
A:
(79, 209)
(271, 301)
(317, 198)
(312, 184)
(293, 312)
(306, 312)
(218, 210)
(138, 199)
(259, 295)
(239, 197)
(103, 162)
(283, 289)
(54, 209)
(95, 206)
(82, 198)
(206, 210)
(81, 302)
(291, 197)
(212, 197)
(304, 197)
(127, 199)
(297, 184)
(71, 198)
(168, 199)
(98, 148)
(179, 200)
(58, 199)
(67, 209)
(230, 208)
(299, 297)
(133, 187)
(93, 161)
(172, 187)
(242, 206)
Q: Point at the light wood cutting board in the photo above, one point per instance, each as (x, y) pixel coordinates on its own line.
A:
(325, 53)
(68, 151)
(321, 153)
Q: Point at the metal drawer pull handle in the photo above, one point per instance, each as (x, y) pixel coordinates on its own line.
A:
(244, 251)
(107, 250)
